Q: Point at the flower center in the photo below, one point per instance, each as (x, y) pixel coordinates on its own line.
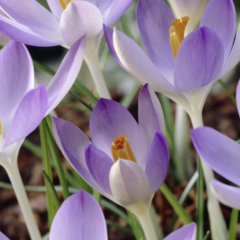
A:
(121, 148)
(64, 3)
(176, 33)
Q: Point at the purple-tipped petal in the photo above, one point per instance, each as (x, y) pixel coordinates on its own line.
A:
(129, 183)
(117, 9)
(17, 77)
(150, 114)
(55, 7)
(185, 233)
(228, 195)
(108, 121)
(79, 218)
(154, 21)
(66, 74)
(218, 151)
(99, 165)
(238, 97)
(137, 63)
(72, 142)
(157, 161)
(221, 16)
(78, 19)
(3, 237)
(23, 34)
(29, 114)
(38, 18)
(108, 33)
(199, 60)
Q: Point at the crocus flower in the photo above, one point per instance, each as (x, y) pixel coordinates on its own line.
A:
(68, 21)
(83, 219)
(3, 237)
(126, 161)
(174, 65)
(222, 155)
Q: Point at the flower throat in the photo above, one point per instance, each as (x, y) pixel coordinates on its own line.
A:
(64, 3)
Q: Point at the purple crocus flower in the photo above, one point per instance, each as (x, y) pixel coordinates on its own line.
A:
(222, 155)
(81, 218)
(22, 106)
(3, 237)
(126, 161)
(68, 21)
(182, 69)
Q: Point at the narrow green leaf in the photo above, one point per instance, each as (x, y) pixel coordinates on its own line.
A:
(228, 91)
(87, 105)
(200, 200)
(180, 211)
(207, 236)
(96, 195)
(137, 230)
(53, 192)
(32, 148)
(116, 225)
(233, 225)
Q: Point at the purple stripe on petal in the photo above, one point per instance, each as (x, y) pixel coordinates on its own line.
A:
(72, 142)
(154, 20)
(79, 218)
(117, 9)
(185, 233)
(150, 114)
(221, 16)
(99, 165)
(199, 60)
(157, 161)
(218, 151)
(108, 121)
(66, 74)
(29, 114)
(17, 77)
(228, 195)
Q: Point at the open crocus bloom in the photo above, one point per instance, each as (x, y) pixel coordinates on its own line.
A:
(81, 218)
(68, 22)
(201, 58)
(222, 155)
(126, 161)
(23, 107)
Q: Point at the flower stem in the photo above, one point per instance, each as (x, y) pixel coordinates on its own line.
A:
(147, 225)
(218, 225)
(91, 58)
(21, 195)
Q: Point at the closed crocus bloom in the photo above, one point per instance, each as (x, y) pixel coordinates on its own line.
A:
(79, 218)
(23, 107)
(126, 161)
(174, 65)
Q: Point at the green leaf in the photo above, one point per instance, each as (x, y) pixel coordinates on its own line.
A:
(233, 225)
(207, 236)
(116, 225)
(137, 230)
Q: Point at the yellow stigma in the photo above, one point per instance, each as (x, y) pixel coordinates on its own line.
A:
(64, 3)
(176, 33)
(121, 148)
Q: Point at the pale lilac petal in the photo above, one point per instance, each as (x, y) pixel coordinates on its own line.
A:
(17, 77)
(108, 32)
(129, 183)
(79, 218)
(118, 8)
(227, 195)
(72, 142)
(138, 64)
(199, 60)
(78, 19)
(3, 237)
(55, 7)
(218, 151)
(157, 161)
(23, 34)
(238, 97)
(66, 74)
(150, 114)
(108, 121)
(234, 56)
(29, 114)
(185, 233)
(154, 21)
(221, 16)
(38, 18)
(99, 165)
